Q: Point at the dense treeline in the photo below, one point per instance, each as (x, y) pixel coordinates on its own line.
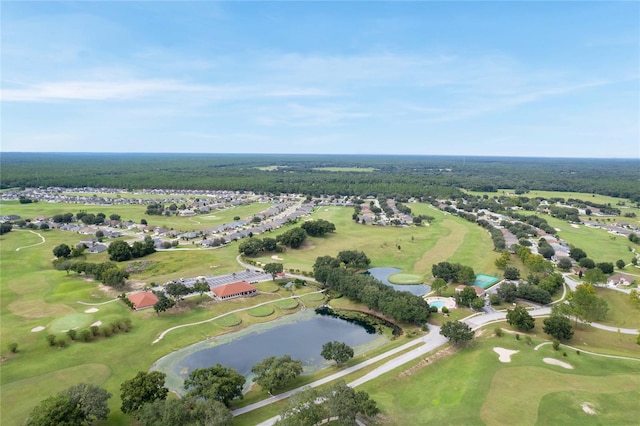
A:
(400, 306)
(411, 176)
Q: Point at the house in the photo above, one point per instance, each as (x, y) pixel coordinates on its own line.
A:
(97, 248)
(237, 289)
(143, 300)
(620, 279)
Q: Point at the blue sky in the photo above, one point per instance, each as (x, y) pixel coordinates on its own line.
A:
(550, 79)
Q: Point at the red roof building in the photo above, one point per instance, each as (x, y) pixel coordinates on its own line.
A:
(238, 289)
(142, 300)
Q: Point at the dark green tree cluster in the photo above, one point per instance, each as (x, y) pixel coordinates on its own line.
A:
(108, 273)
(318, 228)
(496, 235)
(155, 209)
(276, 372)
(5, 228)
(399, 305)
(457, 332)
(215, 383)
(292, 238)
(545, 249)
(354, 259)
(520, 318)
(82, 404)
(337, 351)
(454, 272)
(120, 250)
(310, 407)
(252, 246)
(63, 218)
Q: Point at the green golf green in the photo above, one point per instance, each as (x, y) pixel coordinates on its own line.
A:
(402, 278)
(70, 321)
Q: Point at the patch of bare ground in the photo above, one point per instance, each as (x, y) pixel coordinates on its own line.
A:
(108, 291)
(426, 361)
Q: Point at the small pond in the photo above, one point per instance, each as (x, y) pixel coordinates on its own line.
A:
(299, 335)
(382, 274)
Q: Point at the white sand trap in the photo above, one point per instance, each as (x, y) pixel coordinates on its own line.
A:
(505, 354)
(558, 229)
(573, 225)
(554, 361)
(274, 257)
(97, 324)
(91, 310)
(36, 329)
(587, 408)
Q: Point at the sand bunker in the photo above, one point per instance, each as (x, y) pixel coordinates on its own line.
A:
(91, 310)
(97, 324)
(573, 225)
(505, 354)
(553, 361)
(36, 329)
(274, 257)
(587, 408)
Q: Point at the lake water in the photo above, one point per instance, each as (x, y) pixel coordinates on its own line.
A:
(382, 274)
(299, 335)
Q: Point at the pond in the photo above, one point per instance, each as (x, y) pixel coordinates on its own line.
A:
(382, 274)
(299, 335)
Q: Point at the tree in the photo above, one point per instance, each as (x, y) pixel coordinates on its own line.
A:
(577, 254)
(564, 264)
(273, 372)
(292, 238)
(119, 251)
(91, 399)
(216, 383)
(201, 286)
(585, 262)
(44, 226)
(58, 410)
(558, 326)
(318, 228)
(595, 276)
(337, 351)
(164, 412)
(620, 264)
(163, 303)
(520, 318)
(62, 251)
(466, 296)
(546, 251)
(5, 228)
(177, 290)
(273, 268)
(511, 273)
(466, 275)
(143, 388)
(438, 285)
(585, 305)
(269, 244)
(457, 332)
(354, 258)
(250, 246)
(606, 267)
(114, 216)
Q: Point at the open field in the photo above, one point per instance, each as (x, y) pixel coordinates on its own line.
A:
(621, 313)
(474, 387)
(448, 238)
(345, 169)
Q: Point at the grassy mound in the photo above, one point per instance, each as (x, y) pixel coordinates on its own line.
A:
(230, 320)
(261, 311)
(70, 321)
(402, 278)
(287, 304)
(313, 297)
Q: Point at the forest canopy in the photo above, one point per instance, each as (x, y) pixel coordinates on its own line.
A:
(407, 176)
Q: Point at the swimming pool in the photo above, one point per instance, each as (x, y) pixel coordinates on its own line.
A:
(485, 281)
(438, 304)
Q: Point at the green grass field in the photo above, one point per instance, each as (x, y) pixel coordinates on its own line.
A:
(33, 294)
(475, 388)
(448, 238)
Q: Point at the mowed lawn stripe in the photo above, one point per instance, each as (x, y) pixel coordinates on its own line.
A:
(517, 392)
